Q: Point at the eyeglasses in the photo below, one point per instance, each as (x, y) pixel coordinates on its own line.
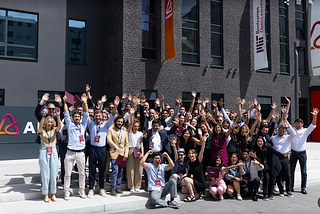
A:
(51, 108)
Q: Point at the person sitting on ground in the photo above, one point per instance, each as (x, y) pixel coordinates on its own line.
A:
(233, 177)
(156, 184)
(217, 185)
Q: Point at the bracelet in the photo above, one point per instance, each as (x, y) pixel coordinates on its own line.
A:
(84, 102)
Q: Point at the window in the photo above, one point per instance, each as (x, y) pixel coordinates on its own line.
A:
(303, 110)
(267, 32)
(1, 97)
(13, 34)
(149, 50)
(187, 100)
(265, 103)
(216, 33)
(190, 31)
(151, 96)
(216, 97)
(301, 36)
(77, 32)
(284, 103)
(51, 97)
(283, 36)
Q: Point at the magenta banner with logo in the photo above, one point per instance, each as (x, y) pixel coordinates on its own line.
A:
(315, 38)
(259, 35)
(17, 124)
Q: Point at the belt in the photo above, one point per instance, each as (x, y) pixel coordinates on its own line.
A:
(301, 152)
(82, 150)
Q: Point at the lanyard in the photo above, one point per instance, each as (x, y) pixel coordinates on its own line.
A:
(49, 138)
(98, 128)
(248, 168)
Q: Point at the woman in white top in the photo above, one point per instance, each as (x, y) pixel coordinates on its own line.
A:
(134, 169)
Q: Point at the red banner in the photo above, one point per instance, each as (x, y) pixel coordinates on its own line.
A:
(169, 34)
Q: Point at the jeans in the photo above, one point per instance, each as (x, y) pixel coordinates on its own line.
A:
(170, 186)
(97, 155)
(62, 153)
(302, 157)
(49, 166)
(286, 173)
(116, 175)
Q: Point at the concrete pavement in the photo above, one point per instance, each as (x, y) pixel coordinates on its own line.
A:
(20, 193)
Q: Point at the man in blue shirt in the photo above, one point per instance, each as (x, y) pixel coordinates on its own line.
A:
(75, 147)
(156, 183)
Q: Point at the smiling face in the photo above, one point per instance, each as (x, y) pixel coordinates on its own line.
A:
(234, 159)
(186, 135)
(156, 160)
(192, 155)
(98, 117)
(51, 109)
(218, 161)
(217, 129)
(76, 118)
(49, 124)
(260, 142)
(244, 131)
(119, 123)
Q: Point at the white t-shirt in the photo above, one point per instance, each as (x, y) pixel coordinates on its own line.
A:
(134, 139)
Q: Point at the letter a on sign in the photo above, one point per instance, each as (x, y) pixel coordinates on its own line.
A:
(168, 31)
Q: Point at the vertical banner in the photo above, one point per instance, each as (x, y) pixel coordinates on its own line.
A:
(315, 38)
(169, 34)
(259, 35)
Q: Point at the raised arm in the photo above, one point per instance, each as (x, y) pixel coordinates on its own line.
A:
(143, 160)
(203, 145)
(162, 102)
(171, 164)
(315, 114)
(131, 111)
(58, 120)
(44, 114)
(194, 94)
(173, 144)
(273, 107)
(103, 100)
(215, 108)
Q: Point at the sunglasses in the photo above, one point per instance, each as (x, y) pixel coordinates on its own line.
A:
(180, 155)
(110, 107)
(51, 108)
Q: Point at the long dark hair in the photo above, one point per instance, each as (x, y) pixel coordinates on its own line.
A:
(219, 136)
(182, 141)
(213, 163)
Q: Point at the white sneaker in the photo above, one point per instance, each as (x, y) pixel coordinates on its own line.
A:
(103, 193)
(132, 190)
(67, 196)
(239, 198)
(138, 190)
(82, 194)
(90, 193)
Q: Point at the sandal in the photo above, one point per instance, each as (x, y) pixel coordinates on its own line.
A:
(53, 198)
(201, 197)
(189, 199)
(47, 200)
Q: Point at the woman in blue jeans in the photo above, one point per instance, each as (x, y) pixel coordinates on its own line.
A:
(48, 155)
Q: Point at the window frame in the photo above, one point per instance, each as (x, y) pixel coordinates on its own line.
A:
(84, 40)
(217, 33)
(2, 97)
(303, 45)
(287, 64)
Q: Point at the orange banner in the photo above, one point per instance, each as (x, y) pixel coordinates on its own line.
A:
(170, 51)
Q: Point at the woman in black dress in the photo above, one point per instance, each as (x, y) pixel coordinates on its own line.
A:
(194, 178)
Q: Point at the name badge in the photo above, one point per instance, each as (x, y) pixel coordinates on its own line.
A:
(49, 149)
(96, 139)
(158, 182)
(64, 132)
(151, 145)
(81, 138)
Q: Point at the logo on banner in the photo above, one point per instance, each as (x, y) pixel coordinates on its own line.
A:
(169, 7)
(13, 124)
(315, 46)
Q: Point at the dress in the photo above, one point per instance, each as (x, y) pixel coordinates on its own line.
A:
(219, 149)
(196, 169)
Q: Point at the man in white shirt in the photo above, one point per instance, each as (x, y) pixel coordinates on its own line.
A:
(282, 144)
(298, 149)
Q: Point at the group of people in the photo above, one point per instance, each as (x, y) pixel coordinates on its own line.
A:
(235, 151)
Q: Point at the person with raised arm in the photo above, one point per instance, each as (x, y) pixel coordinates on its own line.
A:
(98, 150)
(76, 146)
(298, 149)
(48, 156)
(156, 179)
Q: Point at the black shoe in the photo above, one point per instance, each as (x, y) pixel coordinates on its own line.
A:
(118, 191)
(265, 198)
(254, 198)
(113, 193)
(304, 191)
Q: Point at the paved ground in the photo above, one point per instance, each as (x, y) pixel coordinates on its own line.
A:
(19, 192)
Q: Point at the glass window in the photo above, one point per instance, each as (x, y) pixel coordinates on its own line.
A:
(190, 31)
(151, 96)
(149, 29)
(1, 97)
(300, 12)
(216, 97)
(187, 100)
(18, 34)
(216, 33)
(283, 37)
(265, 103)
(77, 41)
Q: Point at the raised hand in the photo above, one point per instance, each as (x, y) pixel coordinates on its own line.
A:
(283, 109)
(124, 96)
(243, 101)
(214, 103)
(104, 98)
(259, 107)
(71, 108)
(287, 99)
(137, 94)
(129, 97)
(200, 100)
(193, 94)
(58, 111)
(157, 102)
(274, 105)
(255, 162)
(207, 100)
(116, 101)
(255, 102)
(315, 111)
(221, 102)
(165, 155)
(131, 111)
(45, 111)
(57, 98)
(84, 97)
(143, 99)
(88, 88)
(238, 100)
(45, 97)
(162, 97)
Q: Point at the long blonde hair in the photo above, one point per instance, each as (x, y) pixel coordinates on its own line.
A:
(46, 121)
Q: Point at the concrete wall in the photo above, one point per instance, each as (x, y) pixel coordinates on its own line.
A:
(22, 79)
